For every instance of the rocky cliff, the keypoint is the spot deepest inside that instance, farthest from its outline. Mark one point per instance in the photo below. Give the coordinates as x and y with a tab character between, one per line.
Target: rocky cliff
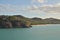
13	22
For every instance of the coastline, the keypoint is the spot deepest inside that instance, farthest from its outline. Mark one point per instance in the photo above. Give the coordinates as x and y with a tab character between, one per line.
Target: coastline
42	24
39	24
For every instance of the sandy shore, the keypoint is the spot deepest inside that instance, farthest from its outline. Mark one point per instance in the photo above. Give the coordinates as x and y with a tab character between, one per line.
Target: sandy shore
39	24
43	24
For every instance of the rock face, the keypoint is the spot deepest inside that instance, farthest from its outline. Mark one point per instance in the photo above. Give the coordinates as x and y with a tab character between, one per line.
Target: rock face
13	24
6	22
19	24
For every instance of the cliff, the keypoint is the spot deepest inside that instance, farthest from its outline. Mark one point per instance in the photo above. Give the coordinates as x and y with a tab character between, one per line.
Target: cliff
13	22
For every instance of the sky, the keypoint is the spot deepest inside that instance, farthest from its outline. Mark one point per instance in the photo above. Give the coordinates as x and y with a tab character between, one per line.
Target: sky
31	8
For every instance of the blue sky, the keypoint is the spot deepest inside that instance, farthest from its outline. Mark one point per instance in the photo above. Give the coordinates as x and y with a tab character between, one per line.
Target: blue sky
31	8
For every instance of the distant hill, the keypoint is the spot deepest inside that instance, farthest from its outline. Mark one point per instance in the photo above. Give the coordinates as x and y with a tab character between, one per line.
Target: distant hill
36	19
45	21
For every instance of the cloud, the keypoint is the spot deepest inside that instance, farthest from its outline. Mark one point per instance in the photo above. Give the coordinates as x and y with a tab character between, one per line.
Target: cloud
46	8
7	8
39	1
51	8
4	8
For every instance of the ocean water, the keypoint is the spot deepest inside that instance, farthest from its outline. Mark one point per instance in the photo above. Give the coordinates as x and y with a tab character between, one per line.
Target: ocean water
37	32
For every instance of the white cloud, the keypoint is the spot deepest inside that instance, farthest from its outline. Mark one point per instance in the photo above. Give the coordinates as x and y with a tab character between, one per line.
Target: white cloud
46	8
51	8
4	8
39	1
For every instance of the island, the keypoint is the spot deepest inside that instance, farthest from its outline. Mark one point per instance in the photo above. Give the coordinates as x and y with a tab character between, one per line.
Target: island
19	21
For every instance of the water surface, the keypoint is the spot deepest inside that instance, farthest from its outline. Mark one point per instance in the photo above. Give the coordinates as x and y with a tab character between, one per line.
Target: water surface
37	32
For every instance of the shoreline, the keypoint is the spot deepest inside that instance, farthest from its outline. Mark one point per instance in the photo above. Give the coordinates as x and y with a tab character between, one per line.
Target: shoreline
40	24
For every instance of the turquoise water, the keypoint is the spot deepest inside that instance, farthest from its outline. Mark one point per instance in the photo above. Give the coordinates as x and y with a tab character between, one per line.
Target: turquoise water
38	32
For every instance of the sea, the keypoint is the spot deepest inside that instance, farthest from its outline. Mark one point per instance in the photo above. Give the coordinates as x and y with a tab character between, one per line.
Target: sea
36	32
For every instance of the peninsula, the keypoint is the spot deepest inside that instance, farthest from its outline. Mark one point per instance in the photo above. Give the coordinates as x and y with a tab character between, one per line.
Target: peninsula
19	21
